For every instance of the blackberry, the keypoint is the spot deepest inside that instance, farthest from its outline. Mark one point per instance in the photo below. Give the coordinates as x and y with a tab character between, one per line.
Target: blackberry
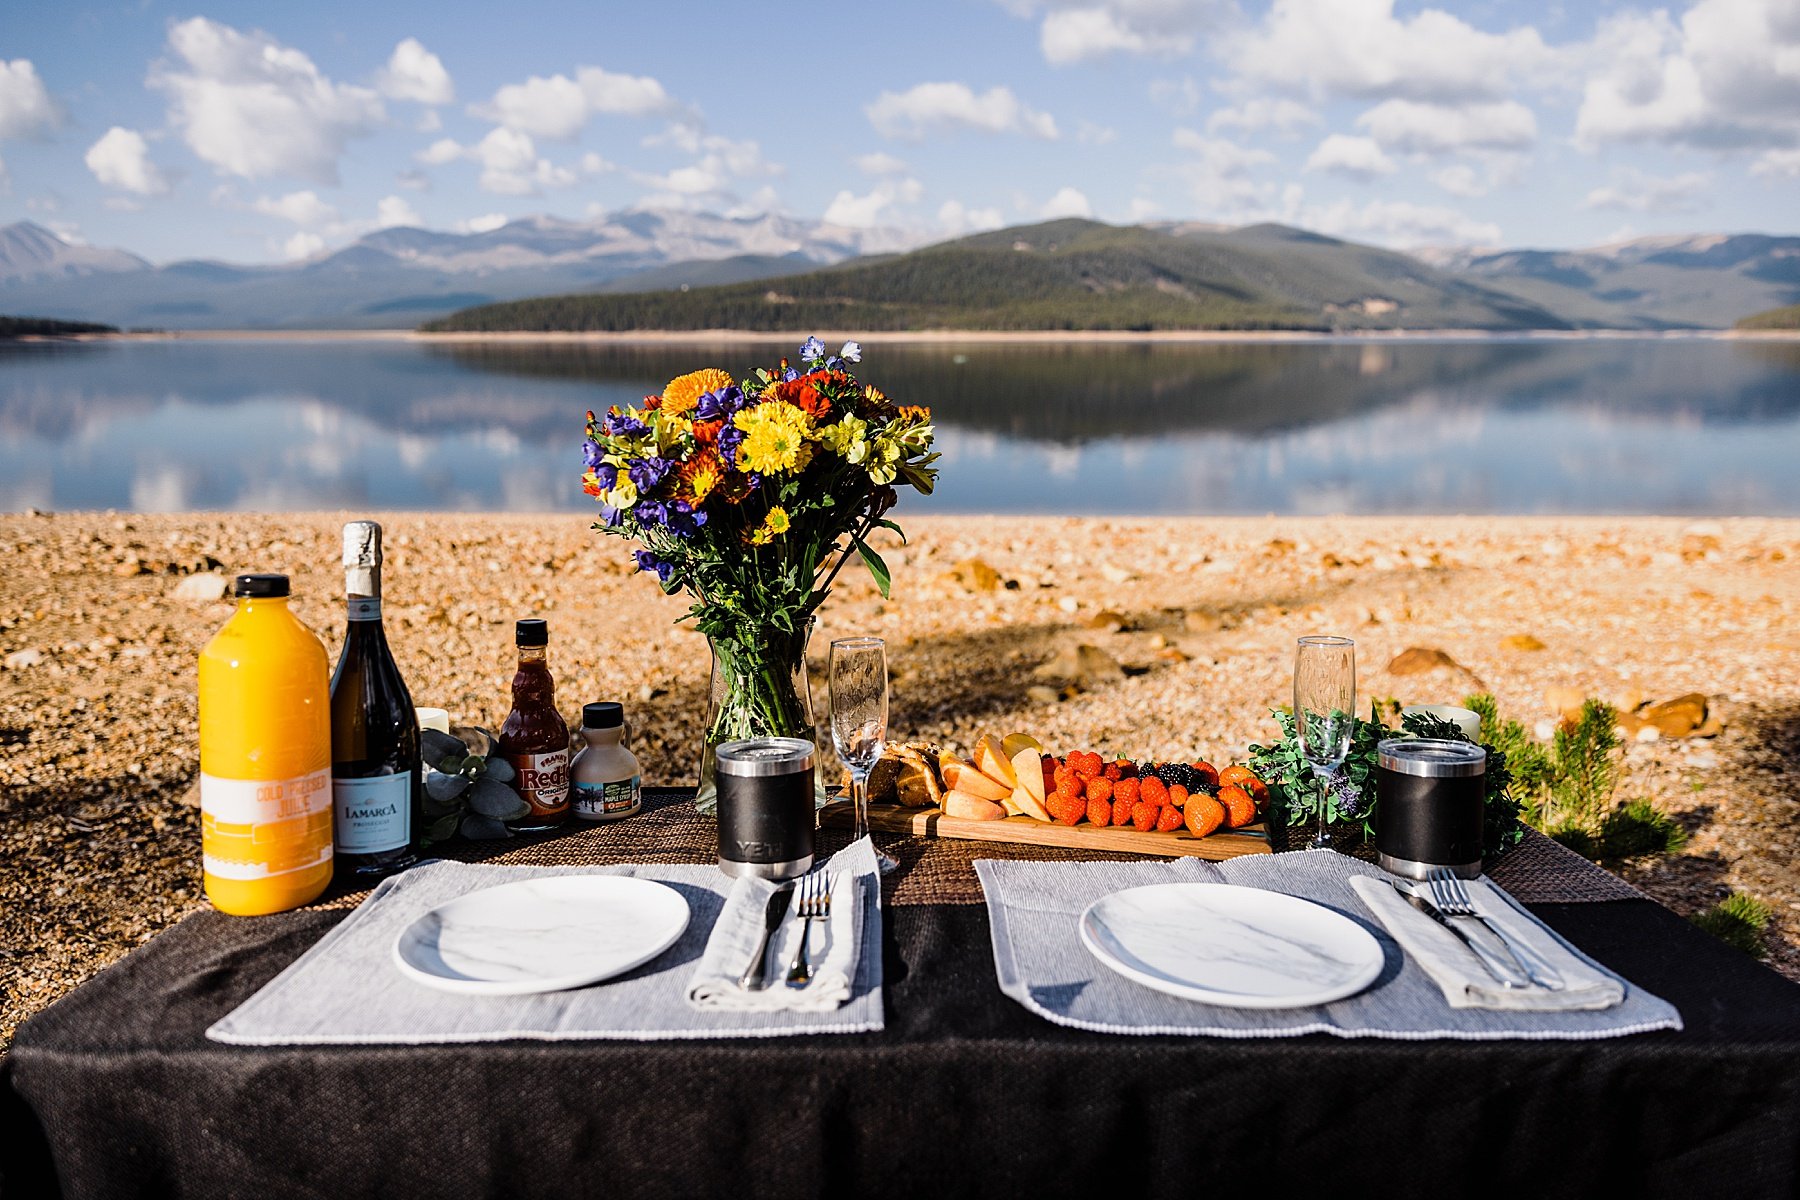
1146	769
1172	774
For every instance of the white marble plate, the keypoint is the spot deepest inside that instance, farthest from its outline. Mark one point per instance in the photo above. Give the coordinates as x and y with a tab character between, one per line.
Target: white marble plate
542	935
1239	947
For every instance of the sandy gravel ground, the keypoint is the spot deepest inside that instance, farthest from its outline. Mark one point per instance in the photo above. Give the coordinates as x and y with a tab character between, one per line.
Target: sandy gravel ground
99	842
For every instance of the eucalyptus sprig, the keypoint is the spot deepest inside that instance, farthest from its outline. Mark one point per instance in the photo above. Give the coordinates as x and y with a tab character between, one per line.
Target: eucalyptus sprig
467	792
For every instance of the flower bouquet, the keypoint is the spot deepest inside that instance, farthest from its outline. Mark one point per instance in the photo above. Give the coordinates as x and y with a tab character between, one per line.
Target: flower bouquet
751	495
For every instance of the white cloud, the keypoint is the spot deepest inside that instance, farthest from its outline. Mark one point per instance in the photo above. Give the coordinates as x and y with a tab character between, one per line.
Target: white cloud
931	107
444	150
1411	127
1353	157
121	159
1217	177
1143	209
1632	190
1068	202
1776	164
1075	31
417	181
415	73
5	179
955	217
709	179
1726	77
1401	224
880	163
865	211
486	223
255	108
1221	156
1360	48
558	107
1263	112
1091	133
395	210
304	209
510	163
26	109
303	245
1460	179
1180	96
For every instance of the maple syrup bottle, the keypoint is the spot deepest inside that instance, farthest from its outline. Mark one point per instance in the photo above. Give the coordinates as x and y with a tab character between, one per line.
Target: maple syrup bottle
535	739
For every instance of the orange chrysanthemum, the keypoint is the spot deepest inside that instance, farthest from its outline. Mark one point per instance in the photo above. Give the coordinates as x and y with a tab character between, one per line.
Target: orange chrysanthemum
706	433
916	412
804	395
684	391
697	477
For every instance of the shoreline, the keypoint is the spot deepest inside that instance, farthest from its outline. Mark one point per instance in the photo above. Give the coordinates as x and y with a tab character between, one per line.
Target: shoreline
931	336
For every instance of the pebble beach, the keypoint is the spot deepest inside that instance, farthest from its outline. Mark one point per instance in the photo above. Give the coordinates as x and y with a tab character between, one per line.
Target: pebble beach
1167	639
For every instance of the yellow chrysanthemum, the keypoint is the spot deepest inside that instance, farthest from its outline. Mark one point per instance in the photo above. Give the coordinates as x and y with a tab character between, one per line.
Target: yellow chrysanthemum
684	391
774	439
772	527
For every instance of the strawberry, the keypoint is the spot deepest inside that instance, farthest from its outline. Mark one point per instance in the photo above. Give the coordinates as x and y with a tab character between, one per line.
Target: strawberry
1177	795
1099	812
1240	809
1143	816
1111	771
1168	819
1152	790
1127	768
1208	775
1204	814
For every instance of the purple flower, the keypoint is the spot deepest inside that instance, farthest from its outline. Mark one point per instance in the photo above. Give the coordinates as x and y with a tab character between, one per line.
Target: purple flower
606	475
812	350
852	352
590	454
683	520
650	512
648	472
623	425
612	517
730	438
647	561
719	405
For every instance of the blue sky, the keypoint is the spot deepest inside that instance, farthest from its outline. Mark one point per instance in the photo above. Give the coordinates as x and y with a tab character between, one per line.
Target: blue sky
260	131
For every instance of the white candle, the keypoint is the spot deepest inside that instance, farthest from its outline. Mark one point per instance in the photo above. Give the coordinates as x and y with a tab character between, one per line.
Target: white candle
433	718
1462	718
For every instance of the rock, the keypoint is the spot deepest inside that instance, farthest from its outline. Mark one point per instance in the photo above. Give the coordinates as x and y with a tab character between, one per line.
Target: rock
1628	699
1678	717
1279	547
1705	760
1069	604
204	587
1524	643
1114	573
132	566
1040	693
1107	619
19	660
1417	660
1648	733
1545	730
1565	701
1197	620
974	575
1081	664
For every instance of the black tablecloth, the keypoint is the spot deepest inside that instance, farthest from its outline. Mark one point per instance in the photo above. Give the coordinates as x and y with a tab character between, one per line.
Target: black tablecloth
115	1091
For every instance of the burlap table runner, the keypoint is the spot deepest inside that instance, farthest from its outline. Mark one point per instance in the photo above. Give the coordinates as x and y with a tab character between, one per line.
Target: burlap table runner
935	870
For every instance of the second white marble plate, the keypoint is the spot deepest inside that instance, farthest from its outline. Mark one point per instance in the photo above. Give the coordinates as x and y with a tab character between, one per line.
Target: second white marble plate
542	935
1235	946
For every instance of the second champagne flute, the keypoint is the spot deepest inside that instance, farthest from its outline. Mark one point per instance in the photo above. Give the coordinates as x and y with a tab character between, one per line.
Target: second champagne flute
859	713
1324	714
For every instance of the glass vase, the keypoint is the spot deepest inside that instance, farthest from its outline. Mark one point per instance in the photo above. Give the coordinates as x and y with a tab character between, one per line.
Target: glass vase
759	689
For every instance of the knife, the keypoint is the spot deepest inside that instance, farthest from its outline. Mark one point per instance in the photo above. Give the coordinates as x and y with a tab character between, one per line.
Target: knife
756	975
1527	959
1498	967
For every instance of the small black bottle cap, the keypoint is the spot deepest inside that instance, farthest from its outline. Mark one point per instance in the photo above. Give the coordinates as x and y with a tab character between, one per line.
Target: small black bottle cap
602	714
260	586
532	631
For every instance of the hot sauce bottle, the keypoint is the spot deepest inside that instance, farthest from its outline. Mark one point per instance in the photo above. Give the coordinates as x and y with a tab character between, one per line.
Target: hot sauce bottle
535	739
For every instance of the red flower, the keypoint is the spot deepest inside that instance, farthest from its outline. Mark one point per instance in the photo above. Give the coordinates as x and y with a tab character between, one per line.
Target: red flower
707	432
804	395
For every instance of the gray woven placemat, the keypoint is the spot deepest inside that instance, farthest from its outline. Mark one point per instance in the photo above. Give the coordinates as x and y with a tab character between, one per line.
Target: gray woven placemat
346	988
1034	908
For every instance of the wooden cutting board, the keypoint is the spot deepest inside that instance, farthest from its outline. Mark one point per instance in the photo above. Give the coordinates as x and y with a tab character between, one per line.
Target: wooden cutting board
1115	839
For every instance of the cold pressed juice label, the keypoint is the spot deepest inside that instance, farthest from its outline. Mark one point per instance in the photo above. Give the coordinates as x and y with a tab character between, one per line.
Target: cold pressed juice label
372	813
605	799
543	781
259	828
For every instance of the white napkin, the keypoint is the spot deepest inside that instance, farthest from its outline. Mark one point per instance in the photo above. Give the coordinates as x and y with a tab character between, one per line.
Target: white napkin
832	950
1461	976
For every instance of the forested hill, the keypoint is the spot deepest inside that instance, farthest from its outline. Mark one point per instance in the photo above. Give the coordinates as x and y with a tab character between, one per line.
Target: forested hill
1062	275
15	327
1775	318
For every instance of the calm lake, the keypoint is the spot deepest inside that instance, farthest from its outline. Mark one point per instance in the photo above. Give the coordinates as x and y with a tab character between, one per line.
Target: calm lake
1612	425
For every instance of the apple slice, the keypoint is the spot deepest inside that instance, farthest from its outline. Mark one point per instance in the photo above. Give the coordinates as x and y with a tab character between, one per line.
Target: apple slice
972	808
1012	743
990	757
1028	769
962	776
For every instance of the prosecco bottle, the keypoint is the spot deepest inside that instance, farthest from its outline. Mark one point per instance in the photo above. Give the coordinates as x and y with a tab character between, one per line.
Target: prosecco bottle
377	790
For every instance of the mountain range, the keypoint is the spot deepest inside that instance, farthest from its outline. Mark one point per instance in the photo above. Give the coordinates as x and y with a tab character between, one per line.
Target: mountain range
660	268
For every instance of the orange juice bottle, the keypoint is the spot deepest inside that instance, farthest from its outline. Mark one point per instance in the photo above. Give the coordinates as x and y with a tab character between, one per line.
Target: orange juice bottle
265	756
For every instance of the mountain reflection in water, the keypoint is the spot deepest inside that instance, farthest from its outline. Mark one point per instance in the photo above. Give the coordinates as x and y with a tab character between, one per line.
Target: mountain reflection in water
1668	425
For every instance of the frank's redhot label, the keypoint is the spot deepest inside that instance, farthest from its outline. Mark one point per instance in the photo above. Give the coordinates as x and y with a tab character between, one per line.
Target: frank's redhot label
543	781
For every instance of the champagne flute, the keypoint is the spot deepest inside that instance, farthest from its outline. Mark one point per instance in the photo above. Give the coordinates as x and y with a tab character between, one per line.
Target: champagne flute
1325	714
859	714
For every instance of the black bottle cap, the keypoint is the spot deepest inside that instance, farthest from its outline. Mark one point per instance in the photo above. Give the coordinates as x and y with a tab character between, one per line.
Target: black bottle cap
260	586
602	714
532	631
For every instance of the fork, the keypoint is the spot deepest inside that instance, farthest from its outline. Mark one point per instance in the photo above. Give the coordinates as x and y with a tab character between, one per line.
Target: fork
1452	896
815	904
